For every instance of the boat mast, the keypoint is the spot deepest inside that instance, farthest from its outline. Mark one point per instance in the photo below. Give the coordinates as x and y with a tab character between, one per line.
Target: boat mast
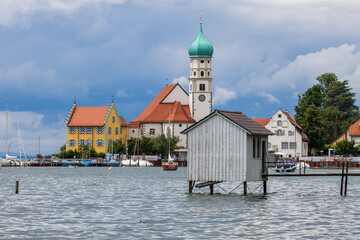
169	133
6	129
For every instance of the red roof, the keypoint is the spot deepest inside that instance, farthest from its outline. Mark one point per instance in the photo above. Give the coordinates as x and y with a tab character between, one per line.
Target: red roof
88	116
354	129
262	121
159	112
134	125
122	121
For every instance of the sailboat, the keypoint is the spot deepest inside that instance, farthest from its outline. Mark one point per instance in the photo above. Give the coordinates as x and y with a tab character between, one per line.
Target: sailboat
170	165
5	162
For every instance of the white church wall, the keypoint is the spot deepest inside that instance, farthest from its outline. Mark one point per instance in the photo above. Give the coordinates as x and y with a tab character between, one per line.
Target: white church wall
177	94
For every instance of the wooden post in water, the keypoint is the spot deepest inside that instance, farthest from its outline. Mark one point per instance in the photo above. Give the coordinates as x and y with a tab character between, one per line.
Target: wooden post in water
264	187
190	186
245	188
17	187
211	189
346	177
342	179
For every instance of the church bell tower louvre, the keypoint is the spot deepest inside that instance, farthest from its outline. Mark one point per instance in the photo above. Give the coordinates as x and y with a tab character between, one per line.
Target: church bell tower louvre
200	80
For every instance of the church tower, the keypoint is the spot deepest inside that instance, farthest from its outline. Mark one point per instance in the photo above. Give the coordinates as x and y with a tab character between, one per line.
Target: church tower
200	81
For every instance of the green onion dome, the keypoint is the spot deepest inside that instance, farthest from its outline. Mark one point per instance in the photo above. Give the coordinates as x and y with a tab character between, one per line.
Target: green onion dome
201	47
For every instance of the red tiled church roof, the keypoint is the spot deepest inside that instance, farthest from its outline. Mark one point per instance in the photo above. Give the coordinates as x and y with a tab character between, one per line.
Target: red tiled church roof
158	112
88	116
354	129
262	121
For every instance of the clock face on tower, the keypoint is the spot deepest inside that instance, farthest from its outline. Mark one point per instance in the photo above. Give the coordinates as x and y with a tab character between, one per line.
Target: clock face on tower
202	98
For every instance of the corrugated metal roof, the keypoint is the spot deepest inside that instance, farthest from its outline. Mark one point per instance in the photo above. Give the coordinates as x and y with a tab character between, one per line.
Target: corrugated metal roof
239	119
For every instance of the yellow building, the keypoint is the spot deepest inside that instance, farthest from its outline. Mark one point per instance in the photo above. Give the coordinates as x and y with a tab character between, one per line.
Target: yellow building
123	130
94	126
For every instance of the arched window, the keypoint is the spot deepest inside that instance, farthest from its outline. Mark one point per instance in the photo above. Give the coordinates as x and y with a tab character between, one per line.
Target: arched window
202	86
280	132
202	73
208	73
194	73
109	130
202	61
279	123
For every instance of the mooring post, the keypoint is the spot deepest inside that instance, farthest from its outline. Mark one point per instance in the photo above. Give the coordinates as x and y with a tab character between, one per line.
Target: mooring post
304	166
346	177
342	179
17	187
211	189
190	186
245	188
264	187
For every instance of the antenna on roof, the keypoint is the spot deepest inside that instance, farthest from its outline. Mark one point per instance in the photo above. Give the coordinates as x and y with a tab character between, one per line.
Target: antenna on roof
167	81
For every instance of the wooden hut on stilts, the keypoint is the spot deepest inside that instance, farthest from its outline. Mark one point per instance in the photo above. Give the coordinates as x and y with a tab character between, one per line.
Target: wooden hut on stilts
226	147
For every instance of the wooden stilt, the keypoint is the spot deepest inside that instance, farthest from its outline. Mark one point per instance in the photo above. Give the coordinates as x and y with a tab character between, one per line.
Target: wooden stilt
342	179
264	187
190	186
17	187
346	177
211	189
245	188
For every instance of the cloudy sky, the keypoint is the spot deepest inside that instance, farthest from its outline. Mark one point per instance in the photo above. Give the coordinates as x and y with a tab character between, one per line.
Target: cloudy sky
265	53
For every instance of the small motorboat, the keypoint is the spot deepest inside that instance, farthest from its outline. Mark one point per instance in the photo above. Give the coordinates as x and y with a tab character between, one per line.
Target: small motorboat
302	165
285	165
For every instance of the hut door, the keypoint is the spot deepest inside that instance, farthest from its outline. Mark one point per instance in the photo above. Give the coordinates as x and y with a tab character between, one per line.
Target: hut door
263	156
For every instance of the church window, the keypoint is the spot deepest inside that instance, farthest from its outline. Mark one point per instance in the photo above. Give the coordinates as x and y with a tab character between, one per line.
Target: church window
202	61
72	130
202	87
99	142
191	87
208	73
99	130
194	73
109	130
208	61
279	123
202	73
280	132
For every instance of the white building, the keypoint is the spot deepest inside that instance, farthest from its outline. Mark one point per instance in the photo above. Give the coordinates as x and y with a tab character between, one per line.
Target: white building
288	137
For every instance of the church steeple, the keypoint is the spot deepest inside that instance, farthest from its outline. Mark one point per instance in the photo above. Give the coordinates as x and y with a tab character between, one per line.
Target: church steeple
200	81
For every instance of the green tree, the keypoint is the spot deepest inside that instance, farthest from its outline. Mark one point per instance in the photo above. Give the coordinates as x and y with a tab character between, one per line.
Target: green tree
346	148
326	109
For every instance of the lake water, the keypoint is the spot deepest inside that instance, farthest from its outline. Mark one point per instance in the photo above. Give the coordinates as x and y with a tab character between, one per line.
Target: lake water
143	203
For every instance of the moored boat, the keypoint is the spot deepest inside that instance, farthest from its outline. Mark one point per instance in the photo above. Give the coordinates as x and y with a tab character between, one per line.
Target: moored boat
285	165
170	166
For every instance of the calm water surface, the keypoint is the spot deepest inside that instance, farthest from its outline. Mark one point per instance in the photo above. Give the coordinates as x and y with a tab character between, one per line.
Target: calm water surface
143	203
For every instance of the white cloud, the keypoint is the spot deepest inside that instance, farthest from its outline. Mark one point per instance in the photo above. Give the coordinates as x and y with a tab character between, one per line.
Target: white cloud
122	94
19	12
32	126
183	81
223	95
270	98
